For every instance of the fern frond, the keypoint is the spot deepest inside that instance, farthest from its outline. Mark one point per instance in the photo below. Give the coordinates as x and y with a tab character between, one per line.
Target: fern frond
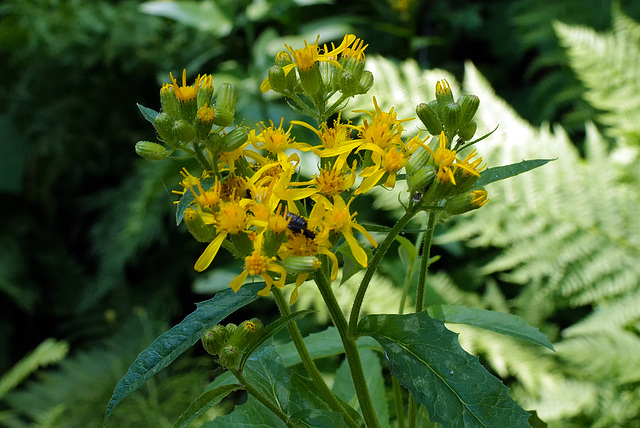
609	65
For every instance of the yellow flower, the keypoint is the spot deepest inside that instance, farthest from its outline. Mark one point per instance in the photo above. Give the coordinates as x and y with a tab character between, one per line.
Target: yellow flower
304	58
257	264
275	140
384	130
334	141
186	92
340	220
299	244
445	158
388	162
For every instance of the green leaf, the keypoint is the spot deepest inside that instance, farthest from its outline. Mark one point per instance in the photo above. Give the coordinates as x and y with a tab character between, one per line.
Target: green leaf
407	251
251	414
266	372
179	338
323	344
268	332
186	199
343	386
204	16
351	266
148	113
314	418
452	385
204	403
501	172
507	324
309	409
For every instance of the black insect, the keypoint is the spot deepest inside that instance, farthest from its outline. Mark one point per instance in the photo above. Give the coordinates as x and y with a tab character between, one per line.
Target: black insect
299	225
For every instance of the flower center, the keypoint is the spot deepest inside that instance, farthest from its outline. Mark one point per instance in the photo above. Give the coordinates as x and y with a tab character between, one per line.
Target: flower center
256	264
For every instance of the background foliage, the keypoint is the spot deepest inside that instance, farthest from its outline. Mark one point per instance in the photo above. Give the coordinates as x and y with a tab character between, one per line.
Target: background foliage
91	256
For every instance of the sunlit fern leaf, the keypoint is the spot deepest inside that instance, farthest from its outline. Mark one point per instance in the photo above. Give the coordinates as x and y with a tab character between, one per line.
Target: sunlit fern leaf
609	65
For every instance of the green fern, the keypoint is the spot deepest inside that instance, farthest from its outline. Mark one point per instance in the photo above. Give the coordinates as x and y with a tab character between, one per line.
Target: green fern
609	65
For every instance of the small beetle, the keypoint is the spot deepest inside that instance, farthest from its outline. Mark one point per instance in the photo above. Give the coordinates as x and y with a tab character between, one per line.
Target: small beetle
299	225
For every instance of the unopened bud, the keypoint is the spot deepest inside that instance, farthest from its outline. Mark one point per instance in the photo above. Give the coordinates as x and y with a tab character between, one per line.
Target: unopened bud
429	117
468	107
419	180
418	160
468	131
205	91
245	332
444	95
169	101
229	356
214	339
451	119
296	265
184	131
151	151
277	79
366	81
225	104
197	227
465	202
234	139
311	80
164	125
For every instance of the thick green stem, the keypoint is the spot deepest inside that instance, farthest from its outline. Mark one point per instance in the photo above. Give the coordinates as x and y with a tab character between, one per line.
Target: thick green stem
373	265
322	388
266	401
424	263
350	350
397	398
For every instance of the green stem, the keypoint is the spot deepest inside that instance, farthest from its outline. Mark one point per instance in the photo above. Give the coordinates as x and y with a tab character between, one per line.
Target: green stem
424	263
322	388
375	261
350	351
397	398
268	403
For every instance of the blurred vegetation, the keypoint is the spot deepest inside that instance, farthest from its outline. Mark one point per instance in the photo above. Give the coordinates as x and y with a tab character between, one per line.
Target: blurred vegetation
90	254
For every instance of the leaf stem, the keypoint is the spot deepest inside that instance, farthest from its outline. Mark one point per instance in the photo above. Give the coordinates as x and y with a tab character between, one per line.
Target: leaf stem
350	350
322	388
373	265
262	398
424	263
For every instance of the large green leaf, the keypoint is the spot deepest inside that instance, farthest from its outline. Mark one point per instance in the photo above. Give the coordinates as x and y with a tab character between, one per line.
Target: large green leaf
308	409
203	403
178	339
265	372
452	385
507	324
251	414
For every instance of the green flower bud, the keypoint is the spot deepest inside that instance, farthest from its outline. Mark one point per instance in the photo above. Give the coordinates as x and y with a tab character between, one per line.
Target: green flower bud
164	125
468	131
151	151
296	265
214	142
349	85
197	227
225	104
429	117
451	119
204	121
214	339
444	95
234	139
169	101
311	80
184	131
229	356
366	82
468	107
277	79
231	328
418	160
465	202
246	331
419	180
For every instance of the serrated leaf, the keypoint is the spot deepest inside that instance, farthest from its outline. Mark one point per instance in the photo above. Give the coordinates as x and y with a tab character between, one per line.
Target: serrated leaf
148	113
251	414
203	403
343	386
507	324
311	410
501	172
269	331
179	338
188	197
266	372
452	385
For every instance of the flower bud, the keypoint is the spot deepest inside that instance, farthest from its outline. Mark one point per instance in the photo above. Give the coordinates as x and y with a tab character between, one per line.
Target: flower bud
349	84
229	356
225	104
467	131
468	107
366	82
151	151
311	80
231	328
214	339
234	139
245	332
164	125
214	142
296	265
277	79
197	227
429	118
205	91
465	202
169	101
204	121
451	119
418	160
184	131
444	95
419	180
